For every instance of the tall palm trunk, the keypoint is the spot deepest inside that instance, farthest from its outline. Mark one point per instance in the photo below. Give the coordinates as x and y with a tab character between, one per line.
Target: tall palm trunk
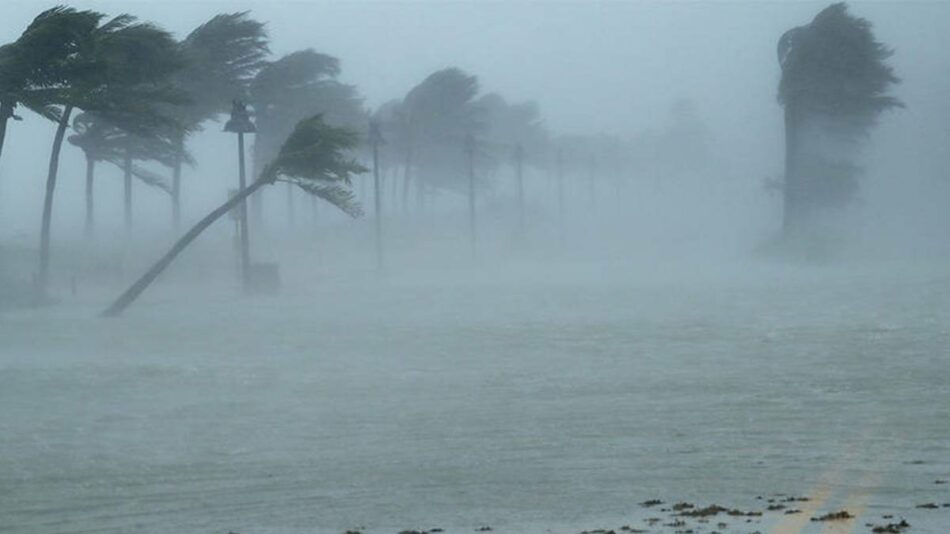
127	186
176	181
42	279
406	179
257	201
90	215
6	113
394	194
291	216
377	203
420	197
140	285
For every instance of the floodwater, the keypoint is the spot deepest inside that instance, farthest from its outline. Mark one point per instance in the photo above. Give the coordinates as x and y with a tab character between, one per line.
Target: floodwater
532	400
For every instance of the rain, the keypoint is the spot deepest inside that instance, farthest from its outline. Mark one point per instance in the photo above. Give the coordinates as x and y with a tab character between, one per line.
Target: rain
408	266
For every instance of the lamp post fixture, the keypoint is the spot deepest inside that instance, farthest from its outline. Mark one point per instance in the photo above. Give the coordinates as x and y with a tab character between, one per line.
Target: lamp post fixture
240	123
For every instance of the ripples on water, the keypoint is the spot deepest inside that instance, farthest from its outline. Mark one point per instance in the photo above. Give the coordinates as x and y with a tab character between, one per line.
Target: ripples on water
522	404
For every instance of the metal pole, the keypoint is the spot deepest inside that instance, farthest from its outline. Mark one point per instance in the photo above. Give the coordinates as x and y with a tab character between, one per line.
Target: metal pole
245	238
127	189
377	201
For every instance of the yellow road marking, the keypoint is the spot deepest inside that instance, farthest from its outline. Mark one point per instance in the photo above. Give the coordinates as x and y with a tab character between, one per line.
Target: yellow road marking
855	504
794	523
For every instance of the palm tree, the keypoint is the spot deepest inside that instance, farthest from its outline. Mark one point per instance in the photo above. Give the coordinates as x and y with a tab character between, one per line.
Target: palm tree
29	75
296	86
102	141
437	115
314	158
835	79
220	58
514	132
118	69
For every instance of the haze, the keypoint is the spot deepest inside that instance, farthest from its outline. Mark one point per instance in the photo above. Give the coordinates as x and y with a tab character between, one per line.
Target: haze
642	322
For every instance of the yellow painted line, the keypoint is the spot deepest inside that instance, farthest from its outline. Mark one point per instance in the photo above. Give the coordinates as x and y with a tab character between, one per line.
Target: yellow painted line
856	503
794	523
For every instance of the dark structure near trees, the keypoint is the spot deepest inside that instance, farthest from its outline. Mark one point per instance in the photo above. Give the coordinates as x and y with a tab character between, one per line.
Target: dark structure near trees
835	83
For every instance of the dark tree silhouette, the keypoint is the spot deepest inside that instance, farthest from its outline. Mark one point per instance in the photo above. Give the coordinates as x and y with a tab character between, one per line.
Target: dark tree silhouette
514	133
102	141
30	67
296	86
835	84
117	69
220	58
313	158
437	115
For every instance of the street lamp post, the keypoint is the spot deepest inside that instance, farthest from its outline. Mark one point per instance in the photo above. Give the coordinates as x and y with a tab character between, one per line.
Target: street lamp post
240	123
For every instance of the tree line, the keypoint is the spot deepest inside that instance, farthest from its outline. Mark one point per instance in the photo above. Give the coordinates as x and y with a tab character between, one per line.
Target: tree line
130	93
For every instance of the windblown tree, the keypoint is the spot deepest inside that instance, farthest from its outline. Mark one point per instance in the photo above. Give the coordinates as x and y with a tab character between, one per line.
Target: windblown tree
315	157
29	67
388	120
117	69
220	58
515	134
835	84
437	117
102	141
299	85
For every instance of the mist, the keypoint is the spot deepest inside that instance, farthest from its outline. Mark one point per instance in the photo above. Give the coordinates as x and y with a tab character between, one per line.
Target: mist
511	266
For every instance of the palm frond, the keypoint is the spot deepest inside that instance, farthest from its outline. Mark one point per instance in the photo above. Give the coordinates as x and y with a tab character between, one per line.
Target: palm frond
221	56
314	157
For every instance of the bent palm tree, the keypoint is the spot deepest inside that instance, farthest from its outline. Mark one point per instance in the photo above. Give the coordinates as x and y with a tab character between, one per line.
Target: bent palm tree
314	158
29	76
102	141
220	57
296	86
835	83
117	69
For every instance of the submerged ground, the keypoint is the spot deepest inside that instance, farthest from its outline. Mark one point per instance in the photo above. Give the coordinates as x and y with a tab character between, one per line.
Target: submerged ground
531	400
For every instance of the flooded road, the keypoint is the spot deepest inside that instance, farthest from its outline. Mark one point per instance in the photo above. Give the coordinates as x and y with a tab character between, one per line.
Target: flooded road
531	401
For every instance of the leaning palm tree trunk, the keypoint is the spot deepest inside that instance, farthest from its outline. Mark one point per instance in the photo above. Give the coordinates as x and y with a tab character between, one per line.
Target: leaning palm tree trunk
90	177
6	112
42	279
127	169
142	283
406	180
